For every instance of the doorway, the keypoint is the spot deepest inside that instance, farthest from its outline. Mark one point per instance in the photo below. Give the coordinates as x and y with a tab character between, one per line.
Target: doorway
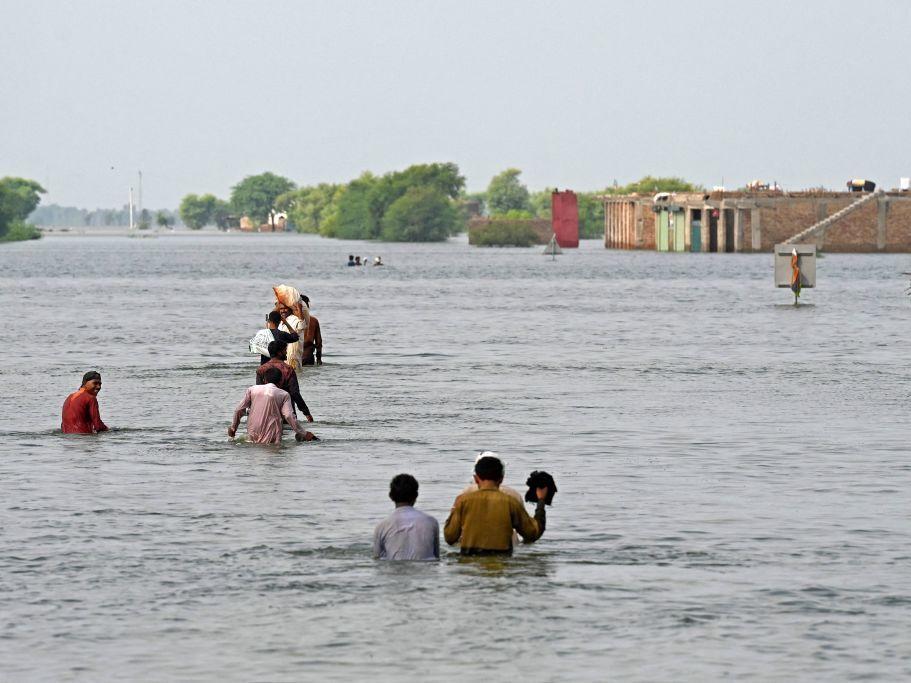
696	230
713	230
729	230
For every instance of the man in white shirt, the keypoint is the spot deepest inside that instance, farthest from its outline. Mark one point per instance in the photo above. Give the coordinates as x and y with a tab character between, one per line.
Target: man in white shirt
406	534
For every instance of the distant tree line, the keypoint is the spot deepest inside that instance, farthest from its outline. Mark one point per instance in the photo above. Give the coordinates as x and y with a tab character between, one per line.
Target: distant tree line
56	216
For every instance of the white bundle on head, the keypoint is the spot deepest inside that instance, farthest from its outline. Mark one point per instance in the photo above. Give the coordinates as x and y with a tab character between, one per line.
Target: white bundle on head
491	454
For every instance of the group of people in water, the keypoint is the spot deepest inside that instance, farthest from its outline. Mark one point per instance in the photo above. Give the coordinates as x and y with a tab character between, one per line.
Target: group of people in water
487	518
363	260
291	340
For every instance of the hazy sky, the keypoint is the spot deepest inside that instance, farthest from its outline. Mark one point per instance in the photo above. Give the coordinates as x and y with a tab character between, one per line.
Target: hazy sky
198	95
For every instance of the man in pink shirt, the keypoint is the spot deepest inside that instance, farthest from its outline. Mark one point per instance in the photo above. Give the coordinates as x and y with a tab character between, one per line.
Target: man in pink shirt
267	405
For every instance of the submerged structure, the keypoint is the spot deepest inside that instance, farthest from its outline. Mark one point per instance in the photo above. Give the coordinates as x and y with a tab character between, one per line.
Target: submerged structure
757	220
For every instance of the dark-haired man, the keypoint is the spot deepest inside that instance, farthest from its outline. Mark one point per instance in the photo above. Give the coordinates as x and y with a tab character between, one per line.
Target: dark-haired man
482	521
406	534
80	409
289	383
267	405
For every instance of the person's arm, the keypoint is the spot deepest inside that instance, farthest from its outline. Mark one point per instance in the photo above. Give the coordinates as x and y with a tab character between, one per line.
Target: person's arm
436	539
318	343
288	413
239	413
452	530
529	529
287	337
95	415
295	392
379	551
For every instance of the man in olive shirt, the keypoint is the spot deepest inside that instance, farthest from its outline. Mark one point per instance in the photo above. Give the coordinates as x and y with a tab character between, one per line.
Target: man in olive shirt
482	521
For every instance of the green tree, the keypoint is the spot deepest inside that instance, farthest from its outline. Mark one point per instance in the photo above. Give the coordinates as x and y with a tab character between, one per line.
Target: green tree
255	195
221	212
422	214
163	220
19	197
506	192
309	208
353	220
196	211
652	184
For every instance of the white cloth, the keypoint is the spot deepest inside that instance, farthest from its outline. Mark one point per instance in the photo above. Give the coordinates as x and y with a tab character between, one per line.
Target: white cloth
296	349
260	342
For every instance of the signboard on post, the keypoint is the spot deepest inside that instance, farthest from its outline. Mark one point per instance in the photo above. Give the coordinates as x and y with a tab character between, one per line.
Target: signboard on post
806	261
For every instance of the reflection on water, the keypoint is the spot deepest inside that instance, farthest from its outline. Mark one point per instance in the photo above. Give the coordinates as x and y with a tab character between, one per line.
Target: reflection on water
733	470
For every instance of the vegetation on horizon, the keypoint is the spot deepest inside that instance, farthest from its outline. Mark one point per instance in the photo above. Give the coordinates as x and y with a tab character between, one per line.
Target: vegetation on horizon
18	199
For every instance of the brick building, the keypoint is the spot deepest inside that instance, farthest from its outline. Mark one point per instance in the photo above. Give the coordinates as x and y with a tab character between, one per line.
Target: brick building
756	221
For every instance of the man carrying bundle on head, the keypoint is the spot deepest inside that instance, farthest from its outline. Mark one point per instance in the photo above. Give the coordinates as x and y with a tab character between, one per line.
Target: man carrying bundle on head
80	409
296	318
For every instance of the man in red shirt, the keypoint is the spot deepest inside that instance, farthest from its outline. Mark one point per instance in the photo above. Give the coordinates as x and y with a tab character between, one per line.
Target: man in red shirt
80	410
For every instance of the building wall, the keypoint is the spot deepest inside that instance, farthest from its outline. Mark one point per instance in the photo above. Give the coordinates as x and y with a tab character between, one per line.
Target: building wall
761	221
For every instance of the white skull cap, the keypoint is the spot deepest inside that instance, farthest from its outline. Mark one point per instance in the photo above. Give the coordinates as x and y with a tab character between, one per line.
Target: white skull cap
490	454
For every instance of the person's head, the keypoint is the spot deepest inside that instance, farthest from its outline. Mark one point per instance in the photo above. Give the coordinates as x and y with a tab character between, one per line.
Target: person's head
91	382
306	300
273	319
357	259
489	468
272	376
350	257
403	489
278	349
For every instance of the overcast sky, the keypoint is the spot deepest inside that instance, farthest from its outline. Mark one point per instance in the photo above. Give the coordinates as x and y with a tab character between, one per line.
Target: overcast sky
198	95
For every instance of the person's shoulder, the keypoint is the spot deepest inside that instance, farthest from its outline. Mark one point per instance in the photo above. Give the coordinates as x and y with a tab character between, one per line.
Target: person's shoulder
512	493
423	515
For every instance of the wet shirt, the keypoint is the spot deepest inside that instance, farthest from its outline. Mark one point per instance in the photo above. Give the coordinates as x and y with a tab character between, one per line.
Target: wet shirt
267	406
407	534
81	414
482	522
288	383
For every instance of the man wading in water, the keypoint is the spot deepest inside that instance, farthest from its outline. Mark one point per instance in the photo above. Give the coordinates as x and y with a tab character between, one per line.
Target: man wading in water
80	410
268	405
484	519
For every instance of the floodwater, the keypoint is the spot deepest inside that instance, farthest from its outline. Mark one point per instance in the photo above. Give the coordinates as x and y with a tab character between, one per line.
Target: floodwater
734	472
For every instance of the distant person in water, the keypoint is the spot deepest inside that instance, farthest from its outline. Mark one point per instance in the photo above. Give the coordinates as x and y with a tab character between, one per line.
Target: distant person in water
357	260
313	342
80	409
483	521
378	261
288	380
267	406
351	260
273	320
406	534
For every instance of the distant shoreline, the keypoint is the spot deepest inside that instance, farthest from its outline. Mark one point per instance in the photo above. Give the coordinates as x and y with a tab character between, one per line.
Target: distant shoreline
126	232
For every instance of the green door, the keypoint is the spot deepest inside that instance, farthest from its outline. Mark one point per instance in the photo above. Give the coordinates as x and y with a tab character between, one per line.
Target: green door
696	235
662	231
679	226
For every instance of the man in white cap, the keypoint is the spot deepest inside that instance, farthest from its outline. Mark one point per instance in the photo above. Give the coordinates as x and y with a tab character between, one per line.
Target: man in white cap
509	491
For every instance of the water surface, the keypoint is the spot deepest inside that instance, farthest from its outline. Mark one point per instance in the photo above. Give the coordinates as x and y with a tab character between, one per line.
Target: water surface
733	471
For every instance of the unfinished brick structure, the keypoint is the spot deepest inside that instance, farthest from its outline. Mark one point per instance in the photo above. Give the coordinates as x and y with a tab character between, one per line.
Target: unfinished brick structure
756	221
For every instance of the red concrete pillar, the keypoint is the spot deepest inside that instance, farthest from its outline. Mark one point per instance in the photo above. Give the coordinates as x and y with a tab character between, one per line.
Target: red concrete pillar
565	221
